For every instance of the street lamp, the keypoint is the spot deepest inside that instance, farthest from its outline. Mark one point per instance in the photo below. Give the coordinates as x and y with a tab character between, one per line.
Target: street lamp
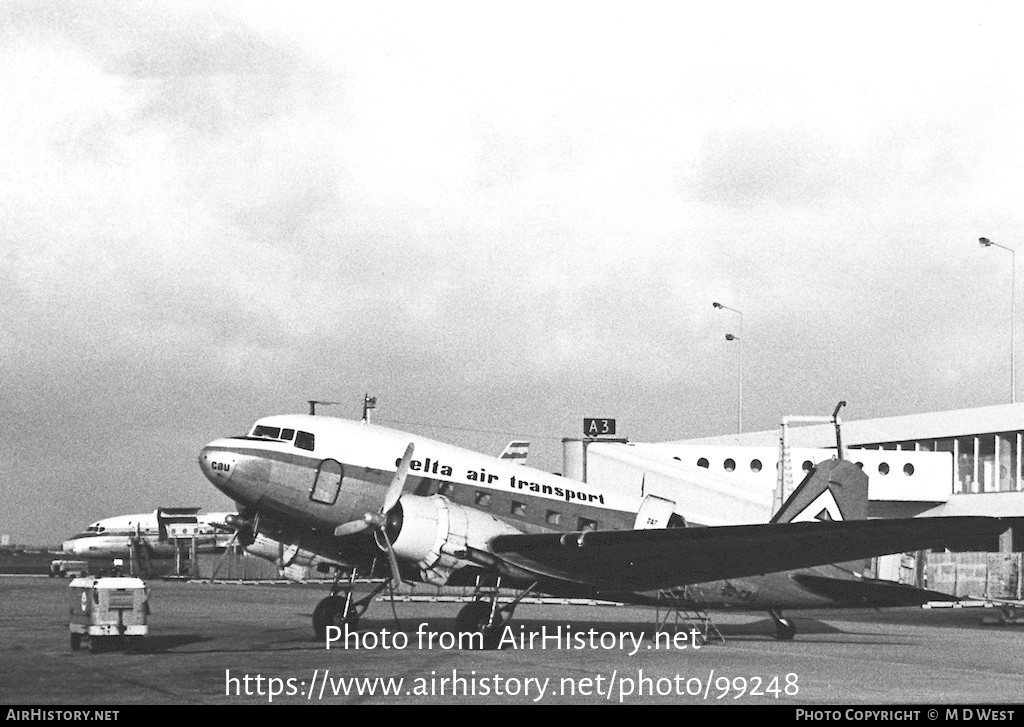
739	375
985	242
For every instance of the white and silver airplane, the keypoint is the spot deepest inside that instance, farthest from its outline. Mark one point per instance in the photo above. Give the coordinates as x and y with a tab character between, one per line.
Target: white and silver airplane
355	492
113	537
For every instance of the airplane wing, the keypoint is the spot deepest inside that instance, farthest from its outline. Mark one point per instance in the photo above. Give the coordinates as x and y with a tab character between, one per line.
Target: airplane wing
649	559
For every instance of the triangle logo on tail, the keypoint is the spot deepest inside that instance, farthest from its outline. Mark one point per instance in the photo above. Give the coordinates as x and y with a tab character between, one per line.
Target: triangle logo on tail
822	508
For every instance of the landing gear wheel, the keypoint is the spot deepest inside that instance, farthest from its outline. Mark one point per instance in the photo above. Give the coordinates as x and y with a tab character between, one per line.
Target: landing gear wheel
352	620
97	644
785	629
492	635
133	644
327	613
473	617
76	642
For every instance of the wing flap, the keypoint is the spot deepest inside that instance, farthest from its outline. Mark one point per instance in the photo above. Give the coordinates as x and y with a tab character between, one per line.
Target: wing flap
648	559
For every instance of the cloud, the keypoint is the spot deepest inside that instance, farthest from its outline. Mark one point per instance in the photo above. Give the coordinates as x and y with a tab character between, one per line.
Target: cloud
210	213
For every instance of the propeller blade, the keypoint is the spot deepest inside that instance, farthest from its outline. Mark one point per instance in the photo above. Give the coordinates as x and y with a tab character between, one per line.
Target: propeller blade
396	574
398	483
224	555
351	528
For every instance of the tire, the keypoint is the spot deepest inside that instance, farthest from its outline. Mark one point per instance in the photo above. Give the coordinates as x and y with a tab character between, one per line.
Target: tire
473	617
133	644
785	629
492	636
76	641
97	644
329	613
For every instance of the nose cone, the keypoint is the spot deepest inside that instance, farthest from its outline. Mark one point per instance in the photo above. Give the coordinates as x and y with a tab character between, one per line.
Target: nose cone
70	546
218	464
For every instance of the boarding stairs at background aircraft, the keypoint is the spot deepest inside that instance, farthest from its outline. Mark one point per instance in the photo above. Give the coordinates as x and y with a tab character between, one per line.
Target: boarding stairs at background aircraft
680	605
138	555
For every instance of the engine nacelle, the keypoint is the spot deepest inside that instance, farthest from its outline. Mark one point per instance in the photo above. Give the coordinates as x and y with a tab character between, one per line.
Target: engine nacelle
434	533
244	529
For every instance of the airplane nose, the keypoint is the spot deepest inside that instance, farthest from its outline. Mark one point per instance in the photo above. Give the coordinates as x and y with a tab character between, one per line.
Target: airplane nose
68	546
217	464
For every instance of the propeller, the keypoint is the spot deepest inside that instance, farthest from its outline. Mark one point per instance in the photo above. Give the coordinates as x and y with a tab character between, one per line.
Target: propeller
242	527
379	520
223	556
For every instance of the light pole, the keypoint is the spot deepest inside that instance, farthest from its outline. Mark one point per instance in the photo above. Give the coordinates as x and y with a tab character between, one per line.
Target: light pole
739	375
985	242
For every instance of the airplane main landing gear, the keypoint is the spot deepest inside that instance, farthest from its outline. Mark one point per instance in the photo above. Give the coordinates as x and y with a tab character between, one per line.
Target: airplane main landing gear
486	617
336	610
785	629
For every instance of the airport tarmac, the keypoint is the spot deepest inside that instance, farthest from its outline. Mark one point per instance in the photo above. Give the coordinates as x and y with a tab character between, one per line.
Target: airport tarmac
204	636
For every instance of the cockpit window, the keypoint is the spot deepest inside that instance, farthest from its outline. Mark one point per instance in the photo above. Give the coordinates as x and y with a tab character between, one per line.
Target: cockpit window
264	431
287	434
304	440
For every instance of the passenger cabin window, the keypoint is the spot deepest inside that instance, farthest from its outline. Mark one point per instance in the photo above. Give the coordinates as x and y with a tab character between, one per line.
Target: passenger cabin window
586	525
304	440
518	509
553	517
483	499
327	483
446	489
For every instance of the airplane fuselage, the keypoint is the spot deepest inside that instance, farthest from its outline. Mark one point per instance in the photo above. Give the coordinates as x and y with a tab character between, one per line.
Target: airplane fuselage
306	475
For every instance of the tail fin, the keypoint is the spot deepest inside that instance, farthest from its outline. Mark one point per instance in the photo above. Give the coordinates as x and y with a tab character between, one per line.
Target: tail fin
833	490
516	451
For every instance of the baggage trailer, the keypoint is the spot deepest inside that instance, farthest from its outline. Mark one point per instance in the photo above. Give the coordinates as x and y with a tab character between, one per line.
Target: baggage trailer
109	611
64	568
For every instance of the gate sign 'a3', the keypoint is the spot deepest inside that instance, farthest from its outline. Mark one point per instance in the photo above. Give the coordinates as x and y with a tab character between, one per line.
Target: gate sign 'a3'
598	427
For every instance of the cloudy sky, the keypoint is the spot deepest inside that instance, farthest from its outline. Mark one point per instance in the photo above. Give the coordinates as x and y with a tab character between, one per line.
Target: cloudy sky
496	217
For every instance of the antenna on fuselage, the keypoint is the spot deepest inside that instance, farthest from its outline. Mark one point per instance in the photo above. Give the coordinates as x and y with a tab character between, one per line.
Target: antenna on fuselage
314	402
369	402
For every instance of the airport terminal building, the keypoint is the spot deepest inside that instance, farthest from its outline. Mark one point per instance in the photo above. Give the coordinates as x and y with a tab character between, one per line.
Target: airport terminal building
961	462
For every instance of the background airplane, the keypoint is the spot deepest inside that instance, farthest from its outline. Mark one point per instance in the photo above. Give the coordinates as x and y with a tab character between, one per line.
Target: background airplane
150	536
152	533
356	492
